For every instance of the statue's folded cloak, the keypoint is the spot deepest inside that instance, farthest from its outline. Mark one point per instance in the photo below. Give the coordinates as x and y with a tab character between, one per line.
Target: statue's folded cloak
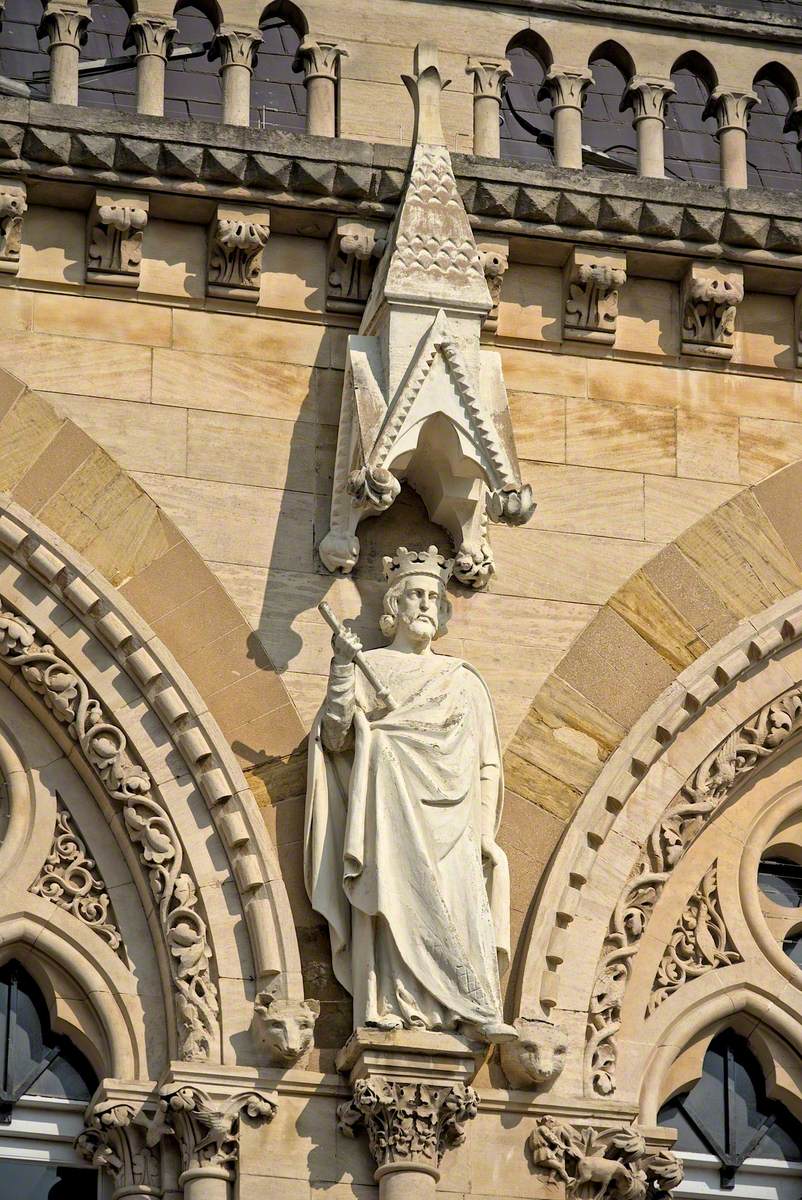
393	831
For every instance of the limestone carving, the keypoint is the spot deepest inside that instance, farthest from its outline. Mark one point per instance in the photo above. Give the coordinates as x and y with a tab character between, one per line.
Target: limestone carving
614	1163
355	248
317	57
64	24
537	1057
285	1028
114	1141
114	240
422	402
412	1123
70	879
686	816
13	205
700	942
408	872
207	1129
709	300
591	296
236	242
151	35
103	744
495	259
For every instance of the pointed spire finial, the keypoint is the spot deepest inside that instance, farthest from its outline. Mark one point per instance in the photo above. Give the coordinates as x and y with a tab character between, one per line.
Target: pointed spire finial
425	88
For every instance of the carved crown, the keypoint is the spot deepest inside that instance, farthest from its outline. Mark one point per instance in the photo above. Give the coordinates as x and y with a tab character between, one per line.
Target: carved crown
417	562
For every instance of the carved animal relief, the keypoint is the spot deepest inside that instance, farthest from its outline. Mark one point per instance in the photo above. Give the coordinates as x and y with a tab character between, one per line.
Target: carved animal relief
207	1129
612	1163
285	1028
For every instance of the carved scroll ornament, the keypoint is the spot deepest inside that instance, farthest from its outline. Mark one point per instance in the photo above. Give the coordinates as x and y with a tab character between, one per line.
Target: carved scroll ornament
112	1141
591	302
103	745
207	1129
610	1163
235	255
686	816
709	299
114	244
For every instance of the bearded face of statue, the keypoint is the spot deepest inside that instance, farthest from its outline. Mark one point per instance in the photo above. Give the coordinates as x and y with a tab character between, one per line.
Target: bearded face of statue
419	607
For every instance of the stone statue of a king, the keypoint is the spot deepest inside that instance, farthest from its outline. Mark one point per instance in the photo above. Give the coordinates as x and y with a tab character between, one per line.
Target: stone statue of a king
403	804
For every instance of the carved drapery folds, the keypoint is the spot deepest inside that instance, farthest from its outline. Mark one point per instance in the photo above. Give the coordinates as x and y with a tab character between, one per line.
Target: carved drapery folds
149	826
686	816
611	1162
355	248
13	205
700	942
71	879
591	284
114	1140
422	401
709	298
410	1123
237	238
115	228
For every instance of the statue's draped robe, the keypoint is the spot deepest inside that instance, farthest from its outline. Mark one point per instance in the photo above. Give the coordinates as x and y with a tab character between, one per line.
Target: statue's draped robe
393	829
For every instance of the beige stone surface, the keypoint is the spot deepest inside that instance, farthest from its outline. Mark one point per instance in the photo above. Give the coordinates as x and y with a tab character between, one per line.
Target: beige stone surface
671	505
765	446
173	260
708	445
105	320
140	437
633	437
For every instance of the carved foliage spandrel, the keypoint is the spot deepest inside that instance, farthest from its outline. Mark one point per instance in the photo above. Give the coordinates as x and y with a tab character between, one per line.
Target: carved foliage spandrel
149	826
691	809
610	1162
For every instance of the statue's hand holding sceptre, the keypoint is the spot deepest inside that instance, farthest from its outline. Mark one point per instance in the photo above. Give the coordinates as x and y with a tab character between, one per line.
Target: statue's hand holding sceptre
345	646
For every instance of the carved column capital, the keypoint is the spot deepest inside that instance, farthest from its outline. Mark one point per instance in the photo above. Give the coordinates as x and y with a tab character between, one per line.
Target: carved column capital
13	206
115	228
709	298
592	1164
591	282
495	259
646	95
355	248
489	76
731	108
64	24
566	87
236	47
151	36
113	1140
206	1127
409	1124
318	58
237	237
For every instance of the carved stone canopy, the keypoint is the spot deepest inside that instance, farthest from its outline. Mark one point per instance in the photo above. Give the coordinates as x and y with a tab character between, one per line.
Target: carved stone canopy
422	401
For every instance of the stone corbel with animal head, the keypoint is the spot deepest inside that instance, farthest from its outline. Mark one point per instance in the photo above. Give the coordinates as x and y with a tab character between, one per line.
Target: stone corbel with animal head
13	206
537	1057
611	1164
285	1029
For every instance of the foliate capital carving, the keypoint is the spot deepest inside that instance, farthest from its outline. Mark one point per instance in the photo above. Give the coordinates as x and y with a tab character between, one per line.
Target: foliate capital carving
408	1123
64	24
732	109
13	206
151	36
318	58
646	95
566	87
207	1129
115	228
236	47
591	286
489	76
709	299
236	240
354	250
609	1162
112	1141
495	259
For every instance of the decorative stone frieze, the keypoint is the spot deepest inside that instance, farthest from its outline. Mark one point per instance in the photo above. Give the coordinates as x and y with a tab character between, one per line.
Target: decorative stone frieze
591	282
700	942
13	206
114	233
596	1164
103	745
494	255
709	297
489	78
114	1141
355	248
237	238
284	1028
421	400
71	879
537	1057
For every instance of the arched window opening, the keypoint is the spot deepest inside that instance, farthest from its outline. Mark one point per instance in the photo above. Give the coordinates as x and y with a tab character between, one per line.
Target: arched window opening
780	880
526	125
726	1122
691	147
278	95
23	61
101	83
45	1084
192	81
607	132
772	156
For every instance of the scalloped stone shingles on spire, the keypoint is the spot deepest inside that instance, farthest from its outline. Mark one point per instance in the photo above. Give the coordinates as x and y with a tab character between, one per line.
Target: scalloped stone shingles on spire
422	401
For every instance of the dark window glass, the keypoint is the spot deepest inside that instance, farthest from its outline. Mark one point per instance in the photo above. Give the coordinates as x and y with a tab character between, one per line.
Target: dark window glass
191	85
41	1181
33	1060
792	945
523	116
780	881
604	126
690	138
772	155
105	36
728	1114
278	95
20	52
